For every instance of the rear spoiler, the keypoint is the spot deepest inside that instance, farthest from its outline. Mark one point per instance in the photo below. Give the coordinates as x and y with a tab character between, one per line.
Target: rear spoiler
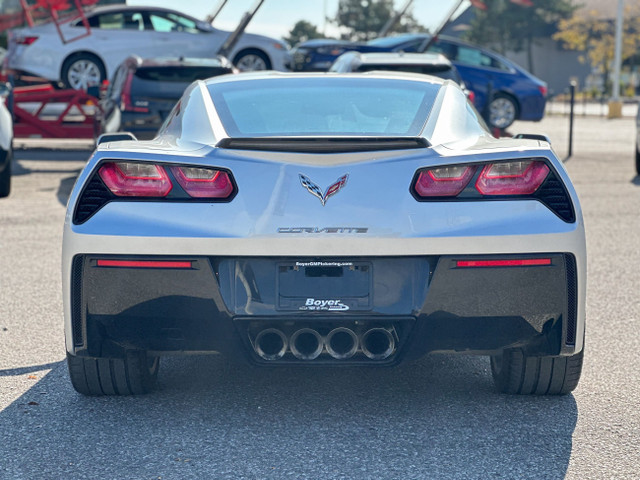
323	144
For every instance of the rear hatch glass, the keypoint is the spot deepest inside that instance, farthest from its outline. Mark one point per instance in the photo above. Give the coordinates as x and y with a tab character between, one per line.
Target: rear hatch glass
305	106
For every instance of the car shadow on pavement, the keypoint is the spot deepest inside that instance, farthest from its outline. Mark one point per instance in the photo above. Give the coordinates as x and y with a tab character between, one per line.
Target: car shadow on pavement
636	180
437	418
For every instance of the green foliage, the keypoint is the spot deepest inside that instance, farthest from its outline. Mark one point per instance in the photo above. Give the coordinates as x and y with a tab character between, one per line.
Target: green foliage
588	32
507	26
301	32
363	19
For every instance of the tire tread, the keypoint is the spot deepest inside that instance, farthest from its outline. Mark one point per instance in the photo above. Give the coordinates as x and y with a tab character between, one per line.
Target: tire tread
112	376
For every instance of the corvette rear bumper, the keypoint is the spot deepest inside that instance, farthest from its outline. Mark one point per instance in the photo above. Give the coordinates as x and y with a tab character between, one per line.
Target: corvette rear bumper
226	304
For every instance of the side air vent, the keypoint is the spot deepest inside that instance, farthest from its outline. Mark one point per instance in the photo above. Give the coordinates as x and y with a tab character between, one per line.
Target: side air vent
572	299
553	194
76	300
93	198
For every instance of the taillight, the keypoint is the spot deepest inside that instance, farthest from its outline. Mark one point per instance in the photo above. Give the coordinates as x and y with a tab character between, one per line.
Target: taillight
26	40
444	181
512	178
471	96
543	90
135	179
125	97
203	182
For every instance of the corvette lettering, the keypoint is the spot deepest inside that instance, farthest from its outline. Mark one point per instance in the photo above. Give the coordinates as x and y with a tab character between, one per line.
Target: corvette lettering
315	190
331	305
323	230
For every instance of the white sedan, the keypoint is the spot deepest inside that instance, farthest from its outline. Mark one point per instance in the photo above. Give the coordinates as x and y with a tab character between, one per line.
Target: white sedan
6	140
118	32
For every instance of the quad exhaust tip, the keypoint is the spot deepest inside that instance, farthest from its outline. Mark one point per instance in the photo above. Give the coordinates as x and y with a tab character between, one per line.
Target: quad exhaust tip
271	344
377	343
341	343
306	344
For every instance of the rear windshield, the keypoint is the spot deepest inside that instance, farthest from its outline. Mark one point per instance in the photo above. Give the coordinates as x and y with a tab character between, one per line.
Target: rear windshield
181	74
441	71
323	106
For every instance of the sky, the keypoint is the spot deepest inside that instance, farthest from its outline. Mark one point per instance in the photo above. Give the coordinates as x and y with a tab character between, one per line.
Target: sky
276	17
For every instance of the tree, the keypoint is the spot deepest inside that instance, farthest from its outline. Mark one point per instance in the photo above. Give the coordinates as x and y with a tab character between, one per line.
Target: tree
301	32
589	32
363	19
508	26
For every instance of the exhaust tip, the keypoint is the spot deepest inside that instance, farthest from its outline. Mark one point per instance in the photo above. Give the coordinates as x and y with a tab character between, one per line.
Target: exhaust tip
270	344
306	344
377	343
341	343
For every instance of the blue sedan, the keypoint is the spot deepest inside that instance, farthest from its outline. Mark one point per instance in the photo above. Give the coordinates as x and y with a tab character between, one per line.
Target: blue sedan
504	92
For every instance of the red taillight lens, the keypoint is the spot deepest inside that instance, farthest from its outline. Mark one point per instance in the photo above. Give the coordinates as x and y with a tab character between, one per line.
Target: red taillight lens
471	96
203	182
526	262
543	90
512	178
143	264
444	181
26	40
136	179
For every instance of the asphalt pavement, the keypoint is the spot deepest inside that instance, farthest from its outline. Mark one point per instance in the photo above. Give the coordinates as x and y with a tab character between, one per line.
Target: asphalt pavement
436	418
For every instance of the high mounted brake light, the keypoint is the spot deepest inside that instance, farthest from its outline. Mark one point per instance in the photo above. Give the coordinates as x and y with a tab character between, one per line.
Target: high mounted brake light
135	179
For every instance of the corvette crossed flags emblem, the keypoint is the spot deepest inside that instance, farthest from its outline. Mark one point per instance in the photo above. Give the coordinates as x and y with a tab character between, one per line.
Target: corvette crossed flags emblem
317	192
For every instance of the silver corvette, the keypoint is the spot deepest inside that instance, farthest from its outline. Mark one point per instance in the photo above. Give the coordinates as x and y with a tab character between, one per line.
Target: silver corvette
324	220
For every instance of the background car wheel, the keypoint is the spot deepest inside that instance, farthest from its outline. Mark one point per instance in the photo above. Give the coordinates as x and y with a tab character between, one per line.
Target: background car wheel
516	373
5	178
82	71
637	161
133	375
503	111
252	60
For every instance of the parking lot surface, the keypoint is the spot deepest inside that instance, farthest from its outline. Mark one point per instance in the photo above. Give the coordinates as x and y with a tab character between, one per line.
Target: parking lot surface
435	418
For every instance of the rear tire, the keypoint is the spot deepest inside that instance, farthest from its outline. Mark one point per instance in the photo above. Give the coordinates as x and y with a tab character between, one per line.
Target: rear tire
503	111
637	161
516	373
133	375
83	70
252	60
5	178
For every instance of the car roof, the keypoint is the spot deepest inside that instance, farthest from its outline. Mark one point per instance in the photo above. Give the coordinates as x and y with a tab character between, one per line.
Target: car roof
121	7
270	74
401	58
185	62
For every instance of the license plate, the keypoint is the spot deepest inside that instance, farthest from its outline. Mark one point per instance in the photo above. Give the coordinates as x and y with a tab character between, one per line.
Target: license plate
324	286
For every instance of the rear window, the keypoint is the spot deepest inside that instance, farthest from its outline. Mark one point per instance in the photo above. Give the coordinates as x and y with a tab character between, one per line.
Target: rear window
322	106
180	74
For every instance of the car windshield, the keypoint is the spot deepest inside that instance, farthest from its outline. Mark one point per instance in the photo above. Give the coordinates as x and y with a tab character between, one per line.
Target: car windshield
315	106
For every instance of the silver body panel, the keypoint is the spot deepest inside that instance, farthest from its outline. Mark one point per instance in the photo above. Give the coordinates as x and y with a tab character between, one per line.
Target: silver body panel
376	197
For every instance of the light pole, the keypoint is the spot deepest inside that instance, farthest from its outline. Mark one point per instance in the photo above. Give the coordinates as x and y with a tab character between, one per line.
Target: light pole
615	105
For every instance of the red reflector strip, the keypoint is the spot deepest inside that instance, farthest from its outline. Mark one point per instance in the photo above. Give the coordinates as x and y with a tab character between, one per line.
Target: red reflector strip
143	264
529	262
